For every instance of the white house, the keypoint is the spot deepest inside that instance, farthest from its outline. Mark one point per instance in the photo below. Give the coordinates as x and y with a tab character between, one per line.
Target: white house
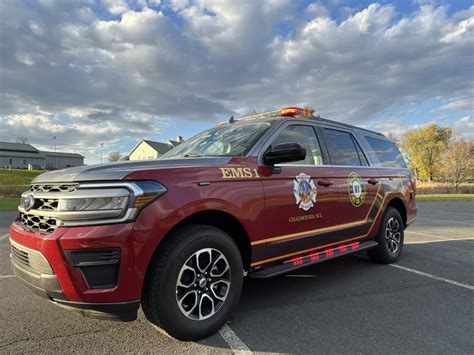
147	150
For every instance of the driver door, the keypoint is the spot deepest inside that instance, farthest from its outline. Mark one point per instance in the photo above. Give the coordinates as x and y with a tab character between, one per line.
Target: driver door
300	199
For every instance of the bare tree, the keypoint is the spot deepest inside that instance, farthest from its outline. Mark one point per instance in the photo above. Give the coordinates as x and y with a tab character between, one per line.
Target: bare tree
457	163
392	136
114	156
22	140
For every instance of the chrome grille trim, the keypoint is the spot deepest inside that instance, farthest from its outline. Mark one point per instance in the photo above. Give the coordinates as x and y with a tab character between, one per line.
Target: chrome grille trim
30	258
41	224
53	188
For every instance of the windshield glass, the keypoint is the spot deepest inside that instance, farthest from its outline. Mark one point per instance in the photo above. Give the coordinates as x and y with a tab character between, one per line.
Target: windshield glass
230	140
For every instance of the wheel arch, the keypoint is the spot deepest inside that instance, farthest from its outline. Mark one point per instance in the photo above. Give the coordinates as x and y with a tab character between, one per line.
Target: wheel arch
224	221
399	205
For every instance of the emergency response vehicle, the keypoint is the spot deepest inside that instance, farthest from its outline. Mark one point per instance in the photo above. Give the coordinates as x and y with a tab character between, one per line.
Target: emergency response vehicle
258	196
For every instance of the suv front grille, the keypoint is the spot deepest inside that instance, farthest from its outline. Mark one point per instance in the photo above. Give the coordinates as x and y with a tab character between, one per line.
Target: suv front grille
54	188
39	223
46	204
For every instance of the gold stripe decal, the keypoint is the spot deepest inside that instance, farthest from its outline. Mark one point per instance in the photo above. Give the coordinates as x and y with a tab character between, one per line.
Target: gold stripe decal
320	230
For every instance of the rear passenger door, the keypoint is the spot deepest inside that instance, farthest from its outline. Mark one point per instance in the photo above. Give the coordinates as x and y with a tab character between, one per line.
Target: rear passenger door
357	182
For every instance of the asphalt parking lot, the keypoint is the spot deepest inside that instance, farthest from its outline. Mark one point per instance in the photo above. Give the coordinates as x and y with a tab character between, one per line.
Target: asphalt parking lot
422	304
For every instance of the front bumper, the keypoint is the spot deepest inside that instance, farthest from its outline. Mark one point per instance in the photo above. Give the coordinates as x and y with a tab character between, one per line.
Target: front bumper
43	262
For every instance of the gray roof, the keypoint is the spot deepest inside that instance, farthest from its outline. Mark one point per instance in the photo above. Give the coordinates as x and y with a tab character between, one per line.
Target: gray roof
161	148
174	143
18	147
61	154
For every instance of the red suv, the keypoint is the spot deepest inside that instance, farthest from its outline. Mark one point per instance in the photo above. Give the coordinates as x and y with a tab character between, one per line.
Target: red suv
256	197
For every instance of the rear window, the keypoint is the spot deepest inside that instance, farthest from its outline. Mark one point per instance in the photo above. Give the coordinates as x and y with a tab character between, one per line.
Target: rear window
387	152
342	148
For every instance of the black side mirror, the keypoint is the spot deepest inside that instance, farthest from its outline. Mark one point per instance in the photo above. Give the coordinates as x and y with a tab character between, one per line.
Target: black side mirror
284	153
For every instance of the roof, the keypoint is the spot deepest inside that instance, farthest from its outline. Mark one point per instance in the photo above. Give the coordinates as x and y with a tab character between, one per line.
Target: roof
161	148
61	154
18	147
173	143
23	154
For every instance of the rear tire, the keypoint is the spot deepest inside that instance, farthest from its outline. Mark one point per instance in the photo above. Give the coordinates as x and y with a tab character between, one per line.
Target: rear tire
193	283
390	238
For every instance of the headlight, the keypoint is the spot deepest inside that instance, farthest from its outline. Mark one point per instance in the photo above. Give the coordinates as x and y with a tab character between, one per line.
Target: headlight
91	204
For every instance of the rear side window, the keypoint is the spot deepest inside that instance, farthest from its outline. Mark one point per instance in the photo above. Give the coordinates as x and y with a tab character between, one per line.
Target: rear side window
342	149
387	152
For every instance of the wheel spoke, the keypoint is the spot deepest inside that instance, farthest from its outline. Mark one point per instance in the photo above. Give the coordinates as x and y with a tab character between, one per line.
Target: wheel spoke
203	259
205	297
215	267
185	271
214	286
185	308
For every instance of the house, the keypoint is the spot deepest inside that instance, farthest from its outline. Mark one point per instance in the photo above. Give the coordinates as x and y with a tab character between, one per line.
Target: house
147	150
21	156
18	155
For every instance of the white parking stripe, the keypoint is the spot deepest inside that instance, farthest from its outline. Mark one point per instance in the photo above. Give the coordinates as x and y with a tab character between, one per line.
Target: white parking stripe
464	214
233	340
439	237
6	276
434	277
446	220
3	236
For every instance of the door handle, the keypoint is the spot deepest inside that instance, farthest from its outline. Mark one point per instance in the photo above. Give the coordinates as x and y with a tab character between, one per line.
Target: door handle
325	183
373	181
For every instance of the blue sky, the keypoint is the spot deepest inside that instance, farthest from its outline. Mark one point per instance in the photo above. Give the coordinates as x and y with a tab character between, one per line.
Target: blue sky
116	71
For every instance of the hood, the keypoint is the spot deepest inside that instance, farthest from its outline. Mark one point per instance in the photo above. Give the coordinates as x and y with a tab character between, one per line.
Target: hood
118	171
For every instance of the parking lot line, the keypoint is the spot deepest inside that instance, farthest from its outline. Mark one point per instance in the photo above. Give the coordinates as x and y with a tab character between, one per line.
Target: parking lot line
233	340
439	278
6	276
446	220
460	213
439	237
3	236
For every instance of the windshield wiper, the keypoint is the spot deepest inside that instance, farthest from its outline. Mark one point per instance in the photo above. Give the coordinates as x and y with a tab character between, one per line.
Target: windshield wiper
192	155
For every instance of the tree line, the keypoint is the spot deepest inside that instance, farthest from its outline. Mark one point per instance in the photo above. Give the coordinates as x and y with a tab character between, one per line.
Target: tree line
435	155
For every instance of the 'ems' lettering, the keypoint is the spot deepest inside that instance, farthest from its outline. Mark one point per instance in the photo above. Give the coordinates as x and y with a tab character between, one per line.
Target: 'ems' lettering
239	173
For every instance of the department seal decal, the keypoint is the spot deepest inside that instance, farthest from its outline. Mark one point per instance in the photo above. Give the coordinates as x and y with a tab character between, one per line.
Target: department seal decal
357	189
305	191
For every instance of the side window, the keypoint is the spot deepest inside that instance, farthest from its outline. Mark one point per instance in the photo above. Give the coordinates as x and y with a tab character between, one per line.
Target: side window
305	136
387	152
342	149
362	157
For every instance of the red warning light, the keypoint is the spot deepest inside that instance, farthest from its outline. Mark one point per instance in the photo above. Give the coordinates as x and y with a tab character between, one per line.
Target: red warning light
342	248
354	246
314	256
329	252
297	261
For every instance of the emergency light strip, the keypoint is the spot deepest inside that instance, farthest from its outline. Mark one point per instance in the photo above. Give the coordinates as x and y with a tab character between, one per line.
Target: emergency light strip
327	253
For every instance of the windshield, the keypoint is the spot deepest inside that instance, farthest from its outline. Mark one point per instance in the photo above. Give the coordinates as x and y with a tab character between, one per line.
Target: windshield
230	140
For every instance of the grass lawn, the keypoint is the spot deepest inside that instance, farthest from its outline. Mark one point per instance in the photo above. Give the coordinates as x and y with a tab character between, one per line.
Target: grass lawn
9	203
16	177
445	197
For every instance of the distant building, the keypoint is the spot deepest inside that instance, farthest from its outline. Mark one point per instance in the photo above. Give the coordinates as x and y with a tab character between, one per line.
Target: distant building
20	156
147	150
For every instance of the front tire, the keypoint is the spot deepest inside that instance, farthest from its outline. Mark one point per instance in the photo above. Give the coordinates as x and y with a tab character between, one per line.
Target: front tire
390	238
194	282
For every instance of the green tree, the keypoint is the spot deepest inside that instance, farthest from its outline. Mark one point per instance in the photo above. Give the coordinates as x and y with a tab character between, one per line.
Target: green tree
424	147
457	164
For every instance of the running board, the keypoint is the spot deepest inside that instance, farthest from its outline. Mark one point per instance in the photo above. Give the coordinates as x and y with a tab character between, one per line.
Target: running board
304	260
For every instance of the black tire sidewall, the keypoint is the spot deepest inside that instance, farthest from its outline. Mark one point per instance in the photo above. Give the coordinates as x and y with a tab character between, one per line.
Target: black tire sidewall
384	252
177	323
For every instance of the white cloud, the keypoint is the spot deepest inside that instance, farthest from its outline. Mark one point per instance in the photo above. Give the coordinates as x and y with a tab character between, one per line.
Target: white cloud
69	68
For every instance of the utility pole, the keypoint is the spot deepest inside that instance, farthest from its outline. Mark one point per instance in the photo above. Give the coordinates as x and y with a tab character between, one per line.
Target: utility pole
101	146
55	156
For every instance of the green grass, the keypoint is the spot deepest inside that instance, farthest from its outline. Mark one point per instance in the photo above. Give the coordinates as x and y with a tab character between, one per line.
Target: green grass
9	203
445	198
17	177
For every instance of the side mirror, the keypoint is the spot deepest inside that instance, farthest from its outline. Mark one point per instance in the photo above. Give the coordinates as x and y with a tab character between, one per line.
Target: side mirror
284	153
